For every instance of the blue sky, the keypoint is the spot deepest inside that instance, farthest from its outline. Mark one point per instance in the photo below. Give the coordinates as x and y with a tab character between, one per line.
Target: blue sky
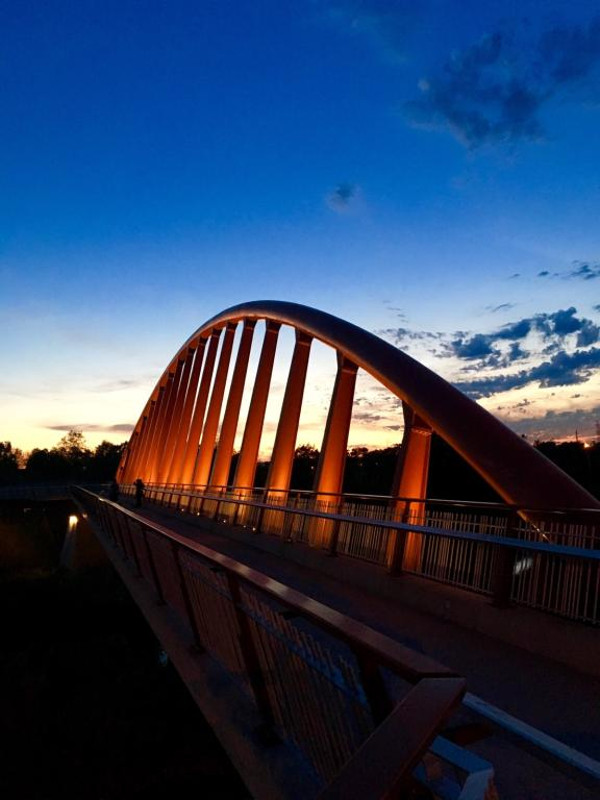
430	171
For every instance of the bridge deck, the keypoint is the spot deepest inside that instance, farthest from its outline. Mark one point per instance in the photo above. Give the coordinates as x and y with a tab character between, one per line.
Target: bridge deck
558	700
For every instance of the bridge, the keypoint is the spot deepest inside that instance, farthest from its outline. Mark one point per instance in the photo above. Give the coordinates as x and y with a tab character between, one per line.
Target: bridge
308	700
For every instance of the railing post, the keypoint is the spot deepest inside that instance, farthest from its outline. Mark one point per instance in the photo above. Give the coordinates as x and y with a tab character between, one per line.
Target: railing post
259	519
138	571
250	656
333	538
397	544
374	686
199	647
157	586
219	501
503	573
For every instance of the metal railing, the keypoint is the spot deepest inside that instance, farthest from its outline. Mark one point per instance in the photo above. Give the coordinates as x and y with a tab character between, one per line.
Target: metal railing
331	687
548	560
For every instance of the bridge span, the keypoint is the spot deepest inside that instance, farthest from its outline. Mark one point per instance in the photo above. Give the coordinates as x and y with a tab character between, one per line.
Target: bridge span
526	570
527	719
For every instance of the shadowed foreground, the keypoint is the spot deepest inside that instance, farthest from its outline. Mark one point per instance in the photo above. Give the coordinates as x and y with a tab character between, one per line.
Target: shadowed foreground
88	711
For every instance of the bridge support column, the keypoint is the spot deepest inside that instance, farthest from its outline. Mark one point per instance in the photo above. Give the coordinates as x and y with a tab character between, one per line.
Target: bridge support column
130	453
282	458
153	436
155	455
220	472
404	549
209	433
160	474
174	420
138	468
248	457
185	396
330	472
186	472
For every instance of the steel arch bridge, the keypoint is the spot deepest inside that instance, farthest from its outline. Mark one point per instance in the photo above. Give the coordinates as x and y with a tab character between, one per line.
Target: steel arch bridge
177	440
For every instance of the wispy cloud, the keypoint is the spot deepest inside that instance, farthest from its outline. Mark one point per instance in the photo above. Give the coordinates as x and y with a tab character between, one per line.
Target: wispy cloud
493	91
119	384
556	424
86	427
582	270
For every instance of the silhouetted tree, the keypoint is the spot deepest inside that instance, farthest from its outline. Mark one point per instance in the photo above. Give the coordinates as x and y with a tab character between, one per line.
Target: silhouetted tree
104	462
72	460
306	459
578	459
46	465
9	463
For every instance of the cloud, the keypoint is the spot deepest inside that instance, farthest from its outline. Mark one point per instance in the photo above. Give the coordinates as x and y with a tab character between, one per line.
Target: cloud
342	197
501	307
367	417
121	427
563	369
493	91
477	346
556	424
554	328
118	384
582	270
586	271
400	336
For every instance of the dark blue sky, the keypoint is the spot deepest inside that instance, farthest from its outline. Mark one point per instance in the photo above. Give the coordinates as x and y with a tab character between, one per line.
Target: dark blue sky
413	167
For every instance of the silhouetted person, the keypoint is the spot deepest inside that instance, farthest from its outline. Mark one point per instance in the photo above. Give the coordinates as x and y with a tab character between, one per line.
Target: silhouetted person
139	492
113	491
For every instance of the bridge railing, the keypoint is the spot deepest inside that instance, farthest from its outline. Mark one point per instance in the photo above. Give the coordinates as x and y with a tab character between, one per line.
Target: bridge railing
545	560
360	707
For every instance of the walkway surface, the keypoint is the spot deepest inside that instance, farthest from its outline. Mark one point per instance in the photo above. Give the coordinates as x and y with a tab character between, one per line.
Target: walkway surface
555	699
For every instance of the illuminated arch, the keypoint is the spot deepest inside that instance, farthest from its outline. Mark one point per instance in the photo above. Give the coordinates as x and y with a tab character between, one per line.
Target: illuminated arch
175	437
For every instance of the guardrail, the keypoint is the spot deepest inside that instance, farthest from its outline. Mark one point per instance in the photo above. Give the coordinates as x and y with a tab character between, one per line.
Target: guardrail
545	560
362	708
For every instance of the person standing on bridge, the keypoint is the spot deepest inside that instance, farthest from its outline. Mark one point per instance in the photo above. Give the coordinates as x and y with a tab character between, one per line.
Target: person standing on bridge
139	492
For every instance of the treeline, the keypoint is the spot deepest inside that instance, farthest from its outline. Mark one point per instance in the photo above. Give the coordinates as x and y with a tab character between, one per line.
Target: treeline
450	477
70	460
367	471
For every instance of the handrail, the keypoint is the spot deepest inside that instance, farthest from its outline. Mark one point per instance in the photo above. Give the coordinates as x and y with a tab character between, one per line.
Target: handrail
387	499
396	525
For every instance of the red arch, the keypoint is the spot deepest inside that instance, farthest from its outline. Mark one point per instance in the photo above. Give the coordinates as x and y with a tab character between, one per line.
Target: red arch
519	473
